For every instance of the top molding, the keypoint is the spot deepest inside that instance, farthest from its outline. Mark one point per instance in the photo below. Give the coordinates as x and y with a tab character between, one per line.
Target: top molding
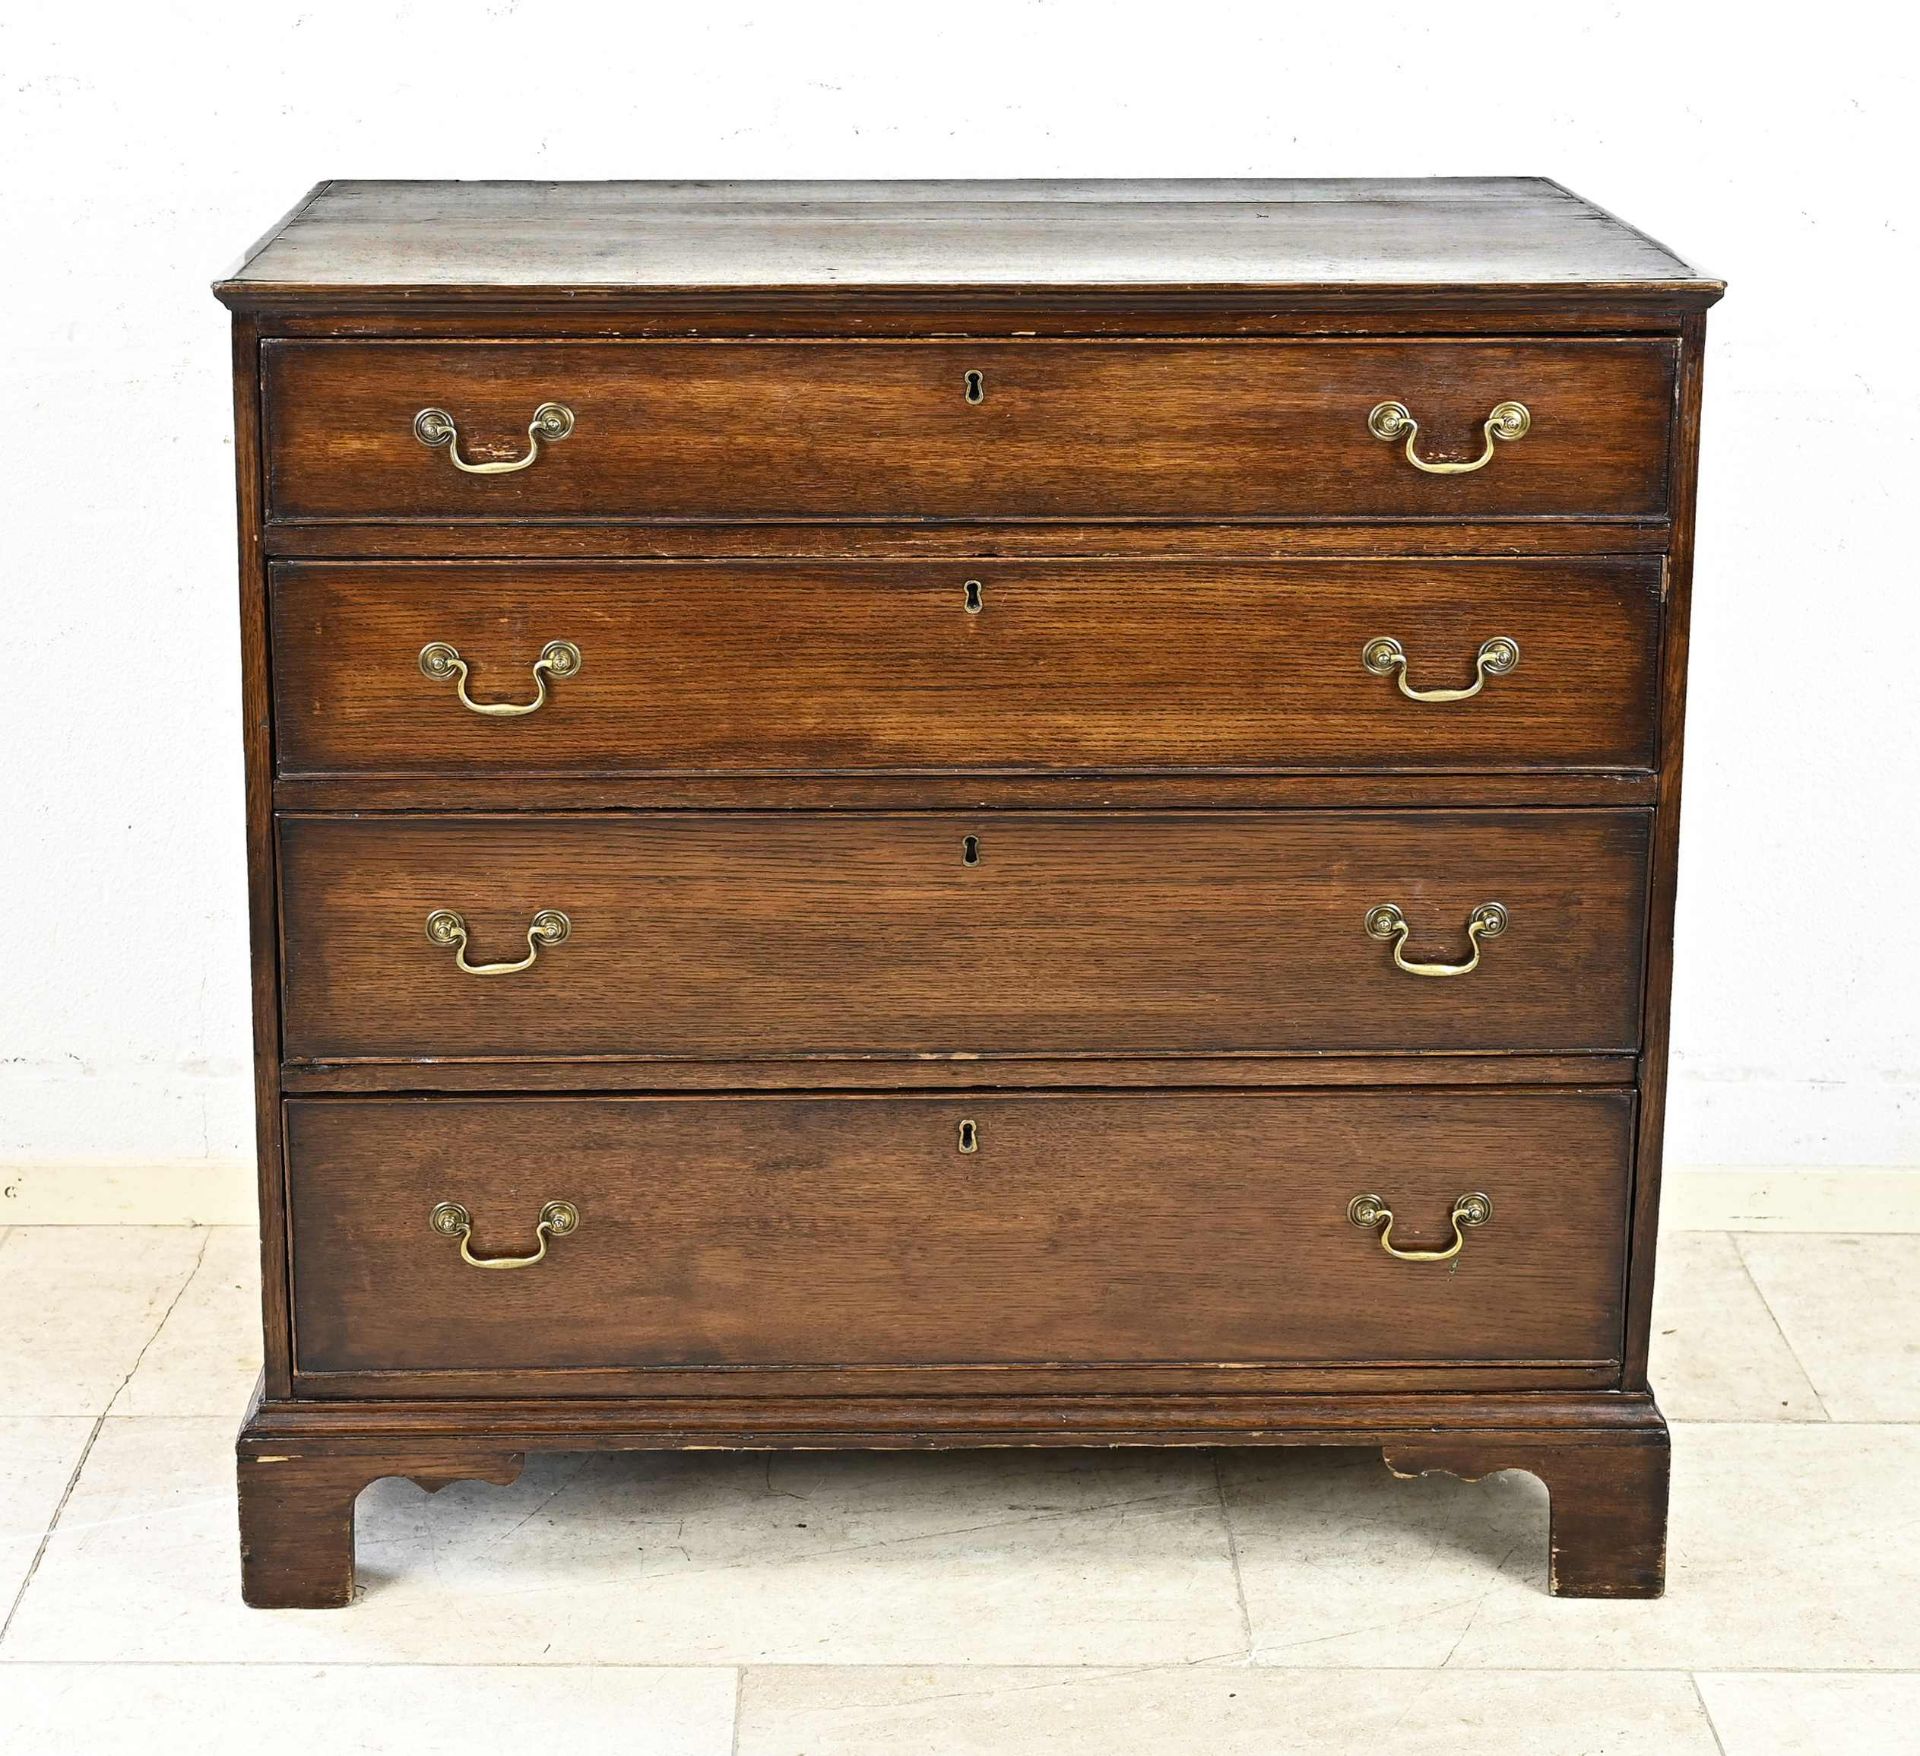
1375	243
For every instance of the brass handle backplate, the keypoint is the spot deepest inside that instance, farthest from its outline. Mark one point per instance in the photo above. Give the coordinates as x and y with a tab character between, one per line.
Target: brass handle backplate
558	658
1385	921
1394	420
552	422
447	928
1368	1211
1386	657
557	1219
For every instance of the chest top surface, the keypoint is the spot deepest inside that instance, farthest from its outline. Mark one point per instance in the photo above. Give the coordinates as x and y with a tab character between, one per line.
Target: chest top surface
352	237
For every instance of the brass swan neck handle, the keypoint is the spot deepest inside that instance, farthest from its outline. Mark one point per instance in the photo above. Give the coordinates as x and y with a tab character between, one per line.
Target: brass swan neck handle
552	422
1394	420
1385	921
447	928
1369	1211
557	1220
1386	657
558	658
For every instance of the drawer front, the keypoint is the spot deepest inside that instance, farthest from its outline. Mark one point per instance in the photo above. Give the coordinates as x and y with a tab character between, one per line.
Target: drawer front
855	1232
902	935
851	667
727	431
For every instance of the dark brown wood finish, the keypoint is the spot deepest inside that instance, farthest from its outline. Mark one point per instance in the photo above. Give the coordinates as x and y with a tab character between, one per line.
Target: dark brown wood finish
879	1231
635	1073
1167	790
726	431
1666	867
1471	236
964	542
1604	1459
1151	995
795	934
256	713
1608	1532
296	1517
1009	667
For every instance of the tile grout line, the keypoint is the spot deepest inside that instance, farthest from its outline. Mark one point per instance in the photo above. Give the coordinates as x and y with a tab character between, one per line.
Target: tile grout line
1793	1353
1233	1554
1699	1695
1093	1668
166	1316
53	1524
1808	1424
99	1422
739	1697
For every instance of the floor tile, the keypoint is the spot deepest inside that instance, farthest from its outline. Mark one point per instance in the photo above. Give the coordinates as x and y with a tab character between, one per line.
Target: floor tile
1107	1557
1850	1308
1215	1711
1344	1564
1814	1715
1717	1353
206	1356
37	1455
1793	1545
77	1304
442	1710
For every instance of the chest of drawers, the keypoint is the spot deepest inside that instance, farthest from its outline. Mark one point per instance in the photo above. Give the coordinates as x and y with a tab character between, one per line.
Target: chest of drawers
935	815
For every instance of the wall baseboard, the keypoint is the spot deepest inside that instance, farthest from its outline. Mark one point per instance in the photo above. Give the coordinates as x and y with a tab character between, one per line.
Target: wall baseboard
196	1193
1697	1198
1791	1198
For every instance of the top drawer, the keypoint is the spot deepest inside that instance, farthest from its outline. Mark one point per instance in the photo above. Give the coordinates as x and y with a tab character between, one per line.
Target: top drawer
961	430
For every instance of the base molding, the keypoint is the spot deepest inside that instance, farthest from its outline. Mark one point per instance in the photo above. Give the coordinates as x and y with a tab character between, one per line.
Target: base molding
1602	1455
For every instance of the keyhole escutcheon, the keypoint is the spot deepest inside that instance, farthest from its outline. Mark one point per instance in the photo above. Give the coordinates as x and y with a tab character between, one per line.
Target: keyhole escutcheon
973	597
969	1136
976	387
970	850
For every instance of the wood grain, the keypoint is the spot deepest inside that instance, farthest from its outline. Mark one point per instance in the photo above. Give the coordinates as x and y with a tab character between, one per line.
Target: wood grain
1473	231
855	1231
960	1072
256	717
1607	1535
964	542
1152	993
882	667
791	933
733	430
1664	889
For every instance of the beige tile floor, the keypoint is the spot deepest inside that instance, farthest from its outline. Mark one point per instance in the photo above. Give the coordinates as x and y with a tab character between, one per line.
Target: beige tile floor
1103	1603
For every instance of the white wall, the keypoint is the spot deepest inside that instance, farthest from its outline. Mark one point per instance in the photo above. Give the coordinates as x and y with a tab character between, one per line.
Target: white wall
143	146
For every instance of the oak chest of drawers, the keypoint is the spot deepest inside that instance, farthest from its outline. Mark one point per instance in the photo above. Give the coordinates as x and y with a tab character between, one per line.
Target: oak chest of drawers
961	814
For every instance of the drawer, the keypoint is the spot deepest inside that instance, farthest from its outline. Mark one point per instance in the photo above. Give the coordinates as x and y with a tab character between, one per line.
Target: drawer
1079	1229
735	935
885	430
860	667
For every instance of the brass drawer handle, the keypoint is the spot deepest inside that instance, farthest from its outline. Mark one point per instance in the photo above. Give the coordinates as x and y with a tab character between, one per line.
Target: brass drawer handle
557	1219
446	928
1386	921
558	658
1386	657
552	421
1389	420
1368	1211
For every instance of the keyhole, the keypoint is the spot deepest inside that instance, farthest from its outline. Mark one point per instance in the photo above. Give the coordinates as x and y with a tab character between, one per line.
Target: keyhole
976	387
973	597
969	1136
970	850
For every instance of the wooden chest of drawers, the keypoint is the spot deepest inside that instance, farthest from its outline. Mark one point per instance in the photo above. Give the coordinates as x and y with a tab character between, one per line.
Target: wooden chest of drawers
961	814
